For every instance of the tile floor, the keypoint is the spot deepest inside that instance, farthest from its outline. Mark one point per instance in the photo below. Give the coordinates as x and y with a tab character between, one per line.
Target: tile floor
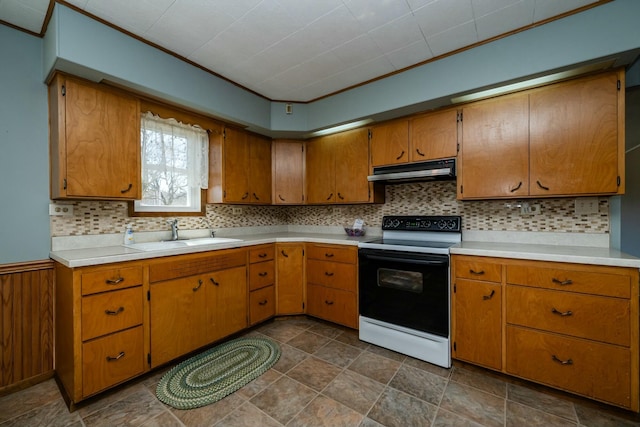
327	377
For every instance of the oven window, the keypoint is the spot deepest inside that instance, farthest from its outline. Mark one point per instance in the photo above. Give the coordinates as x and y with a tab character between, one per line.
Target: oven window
410	281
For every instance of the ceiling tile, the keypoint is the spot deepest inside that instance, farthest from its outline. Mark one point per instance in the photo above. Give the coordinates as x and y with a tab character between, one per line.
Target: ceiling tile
454	38
357	51
412	54
504	20
305	12
29	14
483	7
371	15
397	34
335	28
441	15
548	8
135	16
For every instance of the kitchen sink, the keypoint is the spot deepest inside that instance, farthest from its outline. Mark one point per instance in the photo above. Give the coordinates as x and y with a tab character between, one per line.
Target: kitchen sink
175	244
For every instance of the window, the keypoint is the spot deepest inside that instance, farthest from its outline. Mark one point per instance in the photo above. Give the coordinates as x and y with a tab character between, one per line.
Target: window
175	166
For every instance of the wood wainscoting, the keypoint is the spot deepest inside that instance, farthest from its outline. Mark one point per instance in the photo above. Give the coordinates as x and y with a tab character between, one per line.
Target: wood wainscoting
26	324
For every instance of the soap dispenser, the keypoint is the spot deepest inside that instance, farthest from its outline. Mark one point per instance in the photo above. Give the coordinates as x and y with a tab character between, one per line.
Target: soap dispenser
128	235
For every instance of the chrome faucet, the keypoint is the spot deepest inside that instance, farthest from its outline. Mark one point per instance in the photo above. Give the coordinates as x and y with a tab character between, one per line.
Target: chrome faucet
174	229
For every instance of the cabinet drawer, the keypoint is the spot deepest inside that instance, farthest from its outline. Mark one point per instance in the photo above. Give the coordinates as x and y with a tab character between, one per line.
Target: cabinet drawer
477	269
594	281
191	265
333	253
261	253
262	304
586	316
111	311
261	274
600	371
332	274
112	359
335	305
109	280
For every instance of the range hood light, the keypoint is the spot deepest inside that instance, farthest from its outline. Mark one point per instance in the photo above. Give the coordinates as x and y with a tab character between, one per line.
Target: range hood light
341	128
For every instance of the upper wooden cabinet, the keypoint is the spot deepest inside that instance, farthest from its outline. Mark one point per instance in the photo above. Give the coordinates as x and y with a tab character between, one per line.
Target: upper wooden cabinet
94	141
288	172
425	137
240	168
337	167
565	139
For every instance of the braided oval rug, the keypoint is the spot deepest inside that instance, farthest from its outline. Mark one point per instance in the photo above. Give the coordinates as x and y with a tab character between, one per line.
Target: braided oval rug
217	372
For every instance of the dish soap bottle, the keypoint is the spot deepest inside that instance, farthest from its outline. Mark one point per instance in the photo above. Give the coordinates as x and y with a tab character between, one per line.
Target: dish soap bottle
128	235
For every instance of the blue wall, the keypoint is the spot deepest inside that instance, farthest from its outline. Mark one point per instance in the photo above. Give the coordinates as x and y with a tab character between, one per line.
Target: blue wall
24	150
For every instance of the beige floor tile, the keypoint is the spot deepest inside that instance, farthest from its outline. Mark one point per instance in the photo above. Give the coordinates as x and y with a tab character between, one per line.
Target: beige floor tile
419	383
480	380
283	399
519	415
18	403
354	390
248	415
375	367
314	373
445	418
337	353
545	402
308	342
476	405
289	358
397	409
325	412
134	409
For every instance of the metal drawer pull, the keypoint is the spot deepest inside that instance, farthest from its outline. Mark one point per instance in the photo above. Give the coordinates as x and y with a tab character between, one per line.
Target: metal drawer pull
330	196
118	357
114	281
127	189
419	153
486	297
562	282
560	361
262	274
114	313
561	313
281	198
214	282
328	255
263	302
340	196
262	255
198	287
478	273
542	186
256	196
328	302
284	254
328	273
517	187
400	156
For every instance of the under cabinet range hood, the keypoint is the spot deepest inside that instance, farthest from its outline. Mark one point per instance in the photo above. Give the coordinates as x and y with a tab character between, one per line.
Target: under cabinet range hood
443	169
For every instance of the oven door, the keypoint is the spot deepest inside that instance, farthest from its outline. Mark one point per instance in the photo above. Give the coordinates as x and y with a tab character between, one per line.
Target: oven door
405	288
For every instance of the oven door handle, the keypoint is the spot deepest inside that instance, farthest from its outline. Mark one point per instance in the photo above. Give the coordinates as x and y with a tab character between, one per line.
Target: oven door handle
408	260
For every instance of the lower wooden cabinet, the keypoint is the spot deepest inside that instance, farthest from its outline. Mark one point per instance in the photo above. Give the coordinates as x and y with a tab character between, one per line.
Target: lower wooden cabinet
262	304
262	280
569	326
335	305
290	273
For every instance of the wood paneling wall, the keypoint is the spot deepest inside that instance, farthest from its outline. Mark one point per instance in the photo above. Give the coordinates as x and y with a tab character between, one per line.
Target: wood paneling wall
26	324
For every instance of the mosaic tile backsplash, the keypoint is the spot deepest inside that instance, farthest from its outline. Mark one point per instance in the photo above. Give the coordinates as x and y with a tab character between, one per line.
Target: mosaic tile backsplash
428	198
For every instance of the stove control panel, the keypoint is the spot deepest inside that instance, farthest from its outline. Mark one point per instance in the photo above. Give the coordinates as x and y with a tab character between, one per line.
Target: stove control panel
422	223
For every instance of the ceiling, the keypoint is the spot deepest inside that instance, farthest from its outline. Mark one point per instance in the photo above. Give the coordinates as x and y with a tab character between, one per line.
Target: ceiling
301	50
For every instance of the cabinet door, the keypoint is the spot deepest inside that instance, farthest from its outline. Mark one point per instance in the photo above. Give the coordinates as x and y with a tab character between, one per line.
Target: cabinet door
320	173
259	170
102	137
288	172
390	143
574	137
434	136
226	292
352	166
477	310
494	156
290	278
236	161
177	318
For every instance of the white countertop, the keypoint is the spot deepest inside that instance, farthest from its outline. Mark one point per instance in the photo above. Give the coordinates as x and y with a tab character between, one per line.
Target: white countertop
557	253
109	254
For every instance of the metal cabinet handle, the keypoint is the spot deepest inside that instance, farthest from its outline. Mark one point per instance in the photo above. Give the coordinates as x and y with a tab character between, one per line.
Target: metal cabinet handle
517	187
419	153
328	273
560	361
127	189
264	302
281	198
114	281
256	196
114	312
562	282
486	297
261	274
114	358
199	284
214	282
542	186
477	273
284	254
330	196
340	196
245	195
328	254
262	255
561	313
400	156
328	302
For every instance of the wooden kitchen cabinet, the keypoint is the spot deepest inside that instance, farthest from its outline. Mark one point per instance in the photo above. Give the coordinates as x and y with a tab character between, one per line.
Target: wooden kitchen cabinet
262	281
477	311
94	141
288	171
332	283
564	139
337	167
433	135
390	143
240	168
100	327
290	273
569	326
195	300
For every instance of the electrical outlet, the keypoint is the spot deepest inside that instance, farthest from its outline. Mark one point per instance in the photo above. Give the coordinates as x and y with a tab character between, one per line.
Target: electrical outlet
58	209
236	210
587	205
527	209
337	211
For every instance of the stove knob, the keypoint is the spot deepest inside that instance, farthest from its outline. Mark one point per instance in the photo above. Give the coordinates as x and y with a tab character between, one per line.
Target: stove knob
396	223
426	224
442	224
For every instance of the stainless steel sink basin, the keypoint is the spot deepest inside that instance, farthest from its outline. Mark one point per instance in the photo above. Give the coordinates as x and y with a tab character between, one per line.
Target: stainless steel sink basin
174	244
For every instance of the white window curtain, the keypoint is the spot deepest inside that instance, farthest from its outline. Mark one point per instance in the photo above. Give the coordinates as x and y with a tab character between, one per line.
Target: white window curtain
175	164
